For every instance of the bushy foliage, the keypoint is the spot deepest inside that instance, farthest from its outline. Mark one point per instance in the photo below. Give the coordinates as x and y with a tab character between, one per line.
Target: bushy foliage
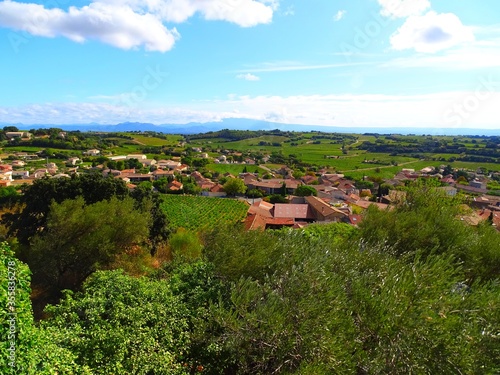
235	186
24	348
305	191
427	222
298	302
413	291
122	325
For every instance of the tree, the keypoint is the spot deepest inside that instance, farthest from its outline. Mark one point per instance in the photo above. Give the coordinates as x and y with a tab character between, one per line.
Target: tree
8	196
255	193
37	198
191	188
234	186
283	190
364	184
199	163
79	239
277	198
161	184
305	191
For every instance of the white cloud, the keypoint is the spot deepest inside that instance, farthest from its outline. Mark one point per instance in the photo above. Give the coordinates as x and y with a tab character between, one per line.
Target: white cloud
469	58
431	32
475	108
245	13
118	26
248	77
288	66
339	15
129	24
403	8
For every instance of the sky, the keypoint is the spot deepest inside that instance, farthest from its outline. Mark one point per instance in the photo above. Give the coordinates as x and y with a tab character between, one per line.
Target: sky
364	63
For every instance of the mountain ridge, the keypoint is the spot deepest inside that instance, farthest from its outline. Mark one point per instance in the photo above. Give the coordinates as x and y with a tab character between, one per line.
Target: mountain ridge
249	124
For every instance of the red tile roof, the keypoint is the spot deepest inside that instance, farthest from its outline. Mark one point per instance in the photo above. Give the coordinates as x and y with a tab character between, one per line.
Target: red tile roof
254	222
295	211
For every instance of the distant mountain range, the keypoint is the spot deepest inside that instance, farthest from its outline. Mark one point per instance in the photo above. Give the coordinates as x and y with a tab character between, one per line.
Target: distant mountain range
249	124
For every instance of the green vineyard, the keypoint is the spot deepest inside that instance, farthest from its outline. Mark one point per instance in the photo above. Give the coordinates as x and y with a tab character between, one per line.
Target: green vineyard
195	212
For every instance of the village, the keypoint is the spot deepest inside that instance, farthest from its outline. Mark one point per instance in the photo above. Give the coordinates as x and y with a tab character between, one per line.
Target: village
276	198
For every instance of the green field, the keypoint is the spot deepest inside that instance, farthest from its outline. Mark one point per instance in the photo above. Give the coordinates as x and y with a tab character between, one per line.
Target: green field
195	212
234	169
146	140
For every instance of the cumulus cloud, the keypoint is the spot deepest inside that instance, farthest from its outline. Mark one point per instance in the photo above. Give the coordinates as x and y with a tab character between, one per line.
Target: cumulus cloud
130	23
431	32
248	77
403	8
339	15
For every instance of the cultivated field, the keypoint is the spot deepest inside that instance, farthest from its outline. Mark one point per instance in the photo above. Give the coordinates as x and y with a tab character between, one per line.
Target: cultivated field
195	212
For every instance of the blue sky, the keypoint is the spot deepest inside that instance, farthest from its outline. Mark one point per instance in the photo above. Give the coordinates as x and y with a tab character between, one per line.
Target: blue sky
369	63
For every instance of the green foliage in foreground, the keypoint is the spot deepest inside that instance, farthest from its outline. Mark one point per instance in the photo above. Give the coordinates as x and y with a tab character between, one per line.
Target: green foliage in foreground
122	325
304	306
24	348
401	295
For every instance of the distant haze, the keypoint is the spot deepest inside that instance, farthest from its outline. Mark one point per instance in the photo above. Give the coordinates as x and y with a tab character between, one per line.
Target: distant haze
246	124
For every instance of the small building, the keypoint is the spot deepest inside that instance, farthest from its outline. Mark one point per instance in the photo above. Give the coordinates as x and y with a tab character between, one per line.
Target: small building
297	212
215	191
148	162
117	157
136	156
323	211
20	174
175	186
73	161
159	173
18	163
168	164
18	135
39	173
139	177
92	152
477	184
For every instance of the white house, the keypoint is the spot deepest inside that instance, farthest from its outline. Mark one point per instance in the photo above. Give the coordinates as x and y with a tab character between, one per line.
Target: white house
148	162
18	163
170	164
118	157
12	135
21	174
72	161
6	176
39	173
137	156
92	152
